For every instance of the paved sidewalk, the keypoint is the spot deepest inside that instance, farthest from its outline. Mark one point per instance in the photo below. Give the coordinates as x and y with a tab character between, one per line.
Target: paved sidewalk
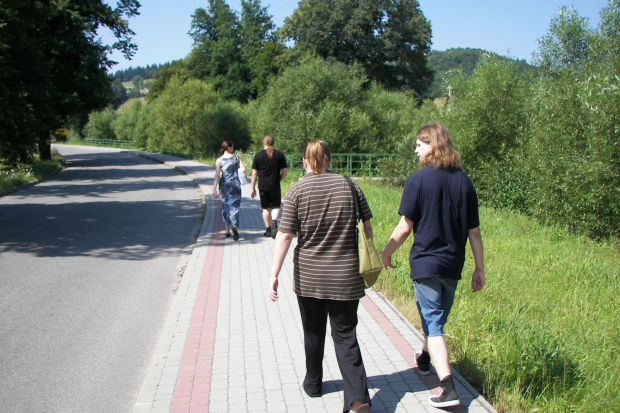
226	347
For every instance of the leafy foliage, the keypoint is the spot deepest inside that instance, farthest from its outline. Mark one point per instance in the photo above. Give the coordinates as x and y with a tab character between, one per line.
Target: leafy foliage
464	61
226	46
126	121
576	131
147	72
54	67
101	125
488	119
329	101
191	117
389	39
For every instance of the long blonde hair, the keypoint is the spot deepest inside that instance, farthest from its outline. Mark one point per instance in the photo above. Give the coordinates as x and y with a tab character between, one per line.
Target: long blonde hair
443	154
268	142
318	156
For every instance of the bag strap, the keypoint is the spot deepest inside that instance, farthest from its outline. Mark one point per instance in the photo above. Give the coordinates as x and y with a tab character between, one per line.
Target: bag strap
356	200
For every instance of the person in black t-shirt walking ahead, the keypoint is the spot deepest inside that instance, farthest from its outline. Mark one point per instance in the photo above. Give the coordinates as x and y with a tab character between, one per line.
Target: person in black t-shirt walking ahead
440	206
269	167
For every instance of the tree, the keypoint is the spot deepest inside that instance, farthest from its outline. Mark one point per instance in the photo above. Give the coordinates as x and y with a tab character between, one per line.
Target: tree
101	125
138	85
216	56
567	44
259	45
226	46
331	101
54	67
126	121
177	69
389	38
119	92
488	117
575	133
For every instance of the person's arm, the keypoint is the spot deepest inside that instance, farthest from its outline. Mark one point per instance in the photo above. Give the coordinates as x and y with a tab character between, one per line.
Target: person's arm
216	179
254	176
399	235
283	174
475	241
241	165
282	244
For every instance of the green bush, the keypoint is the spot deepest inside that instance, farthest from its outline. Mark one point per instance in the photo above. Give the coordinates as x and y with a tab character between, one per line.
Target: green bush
101	125
487	118
574	151
315	100
405	161
189	117
184	114
333	102
127	120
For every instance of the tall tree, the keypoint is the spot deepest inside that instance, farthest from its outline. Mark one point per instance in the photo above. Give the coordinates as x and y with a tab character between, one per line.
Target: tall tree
389	38
54	66
226	45
216	56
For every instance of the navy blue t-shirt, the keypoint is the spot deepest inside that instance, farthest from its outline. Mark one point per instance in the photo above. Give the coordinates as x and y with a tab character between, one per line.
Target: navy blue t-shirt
443	205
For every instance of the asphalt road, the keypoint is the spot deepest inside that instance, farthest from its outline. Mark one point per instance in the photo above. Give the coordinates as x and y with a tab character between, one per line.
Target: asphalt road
88	267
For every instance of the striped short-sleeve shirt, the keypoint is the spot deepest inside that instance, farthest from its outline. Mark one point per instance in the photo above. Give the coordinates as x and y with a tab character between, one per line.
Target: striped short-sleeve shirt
320	210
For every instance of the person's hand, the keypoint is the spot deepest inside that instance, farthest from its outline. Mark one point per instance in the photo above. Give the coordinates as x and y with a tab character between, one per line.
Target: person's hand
477	280
273	288
216	196
386	260
253	194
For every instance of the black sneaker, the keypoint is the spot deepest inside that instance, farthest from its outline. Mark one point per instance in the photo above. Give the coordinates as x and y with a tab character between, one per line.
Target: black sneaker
423	360
445	399
267	232
235	234
273	229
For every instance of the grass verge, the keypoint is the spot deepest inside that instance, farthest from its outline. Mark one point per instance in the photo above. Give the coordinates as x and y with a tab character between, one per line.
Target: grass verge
543	334
14	176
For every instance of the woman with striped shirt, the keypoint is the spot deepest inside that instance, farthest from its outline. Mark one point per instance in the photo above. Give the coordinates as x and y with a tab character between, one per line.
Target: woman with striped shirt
319	208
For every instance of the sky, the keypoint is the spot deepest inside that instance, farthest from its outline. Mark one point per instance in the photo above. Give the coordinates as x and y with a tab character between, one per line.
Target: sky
507	27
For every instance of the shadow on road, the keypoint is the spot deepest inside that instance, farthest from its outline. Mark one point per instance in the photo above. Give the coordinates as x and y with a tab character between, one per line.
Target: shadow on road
78	212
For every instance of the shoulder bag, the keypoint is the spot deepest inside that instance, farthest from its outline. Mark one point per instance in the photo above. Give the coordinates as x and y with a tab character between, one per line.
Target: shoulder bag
243	179
370	260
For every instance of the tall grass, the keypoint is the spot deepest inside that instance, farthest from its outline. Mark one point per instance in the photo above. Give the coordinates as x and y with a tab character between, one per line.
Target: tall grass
543	335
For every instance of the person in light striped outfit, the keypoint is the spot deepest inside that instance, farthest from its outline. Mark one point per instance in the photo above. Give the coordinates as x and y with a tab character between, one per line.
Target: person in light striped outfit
320	209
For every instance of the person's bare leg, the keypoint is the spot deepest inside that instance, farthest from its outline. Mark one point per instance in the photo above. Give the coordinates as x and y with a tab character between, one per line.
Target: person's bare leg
266	217
439	355
360	407
275	214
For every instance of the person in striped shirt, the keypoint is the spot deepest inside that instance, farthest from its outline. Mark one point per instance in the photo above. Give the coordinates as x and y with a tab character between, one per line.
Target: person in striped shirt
319	208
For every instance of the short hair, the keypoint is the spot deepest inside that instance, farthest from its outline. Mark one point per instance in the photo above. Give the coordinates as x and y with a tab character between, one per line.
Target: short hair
318	156
443	154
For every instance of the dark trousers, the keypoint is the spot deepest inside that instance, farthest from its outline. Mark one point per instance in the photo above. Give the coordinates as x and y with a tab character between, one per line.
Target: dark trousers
343	321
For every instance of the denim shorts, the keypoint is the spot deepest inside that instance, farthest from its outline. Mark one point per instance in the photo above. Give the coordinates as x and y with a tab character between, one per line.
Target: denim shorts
434	298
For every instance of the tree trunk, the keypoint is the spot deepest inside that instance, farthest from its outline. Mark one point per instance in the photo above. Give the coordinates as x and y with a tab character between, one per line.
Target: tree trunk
45	148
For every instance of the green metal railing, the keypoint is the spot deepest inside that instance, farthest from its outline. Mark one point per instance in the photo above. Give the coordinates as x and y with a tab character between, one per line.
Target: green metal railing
345	163
111	143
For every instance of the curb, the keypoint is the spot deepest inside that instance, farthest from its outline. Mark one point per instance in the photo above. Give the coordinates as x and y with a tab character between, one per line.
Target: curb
29	184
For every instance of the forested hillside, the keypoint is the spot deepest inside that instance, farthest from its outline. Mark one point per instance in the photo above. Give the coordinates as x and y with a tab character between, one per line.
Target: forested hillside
464	60
148	72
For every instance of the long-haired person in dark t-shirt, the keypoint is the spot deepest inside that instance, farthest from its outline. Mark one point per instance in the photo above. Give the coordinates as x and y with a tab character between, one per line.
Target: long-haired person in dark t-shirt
440	205
269	168
320	209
